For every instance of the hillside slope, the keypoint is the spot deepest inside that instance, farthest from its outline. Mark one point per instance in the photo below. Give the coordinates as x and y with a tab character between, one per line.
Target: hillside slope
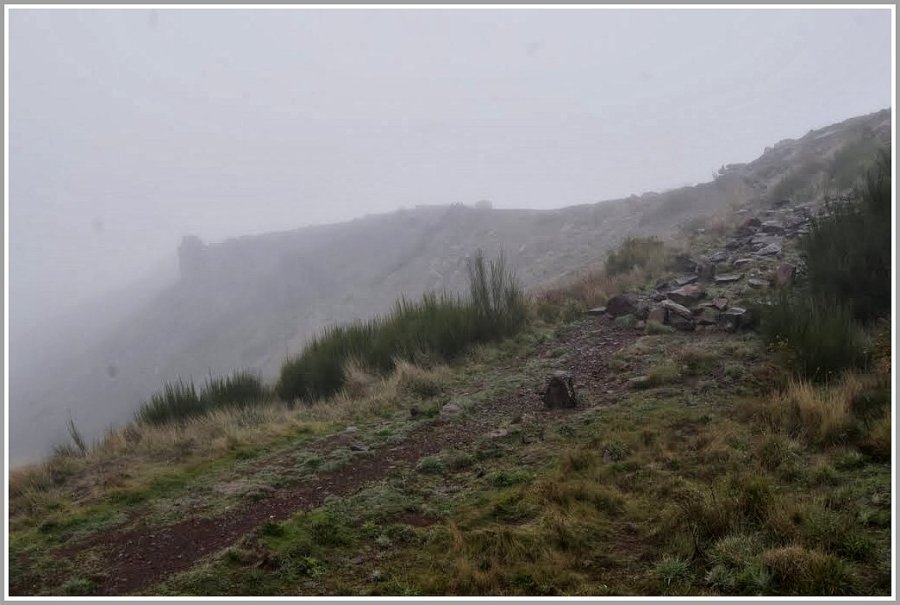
249	302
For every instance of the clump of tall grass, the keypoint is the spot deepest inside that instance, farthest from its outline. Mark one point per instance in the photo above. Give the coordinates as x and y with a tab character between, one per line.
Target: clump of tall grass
820	339
180	400
635	252
848	250
816	414
437	327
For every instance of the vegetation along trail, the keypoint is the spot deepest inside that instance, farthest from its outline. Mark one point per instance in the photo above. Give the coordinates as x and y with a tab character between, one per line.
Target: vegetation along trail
139	556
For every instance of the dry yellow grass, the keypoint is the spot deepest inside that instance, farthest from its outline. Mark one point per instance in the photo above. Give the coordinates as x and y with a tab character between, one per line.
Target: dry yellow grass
820	415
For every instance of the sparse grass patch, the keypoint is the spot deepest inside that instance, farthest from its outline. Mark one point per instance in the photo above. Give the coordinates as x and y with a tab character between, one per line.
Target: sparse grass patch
799	571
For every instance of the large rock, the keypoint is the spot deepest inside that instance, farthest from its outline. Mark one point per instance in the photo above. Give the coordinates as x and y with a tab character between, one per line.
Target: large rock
685	263
720	303
687	295
748	226
784	276
684	280
708	317
559	391
676	309
718	257
773	228
736	318
657	313
681	323
706	270
623	304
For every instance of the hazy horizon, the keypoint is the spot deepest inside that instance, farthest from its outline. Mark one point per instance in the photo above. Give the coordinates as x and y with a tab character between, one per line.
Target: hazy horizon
132	128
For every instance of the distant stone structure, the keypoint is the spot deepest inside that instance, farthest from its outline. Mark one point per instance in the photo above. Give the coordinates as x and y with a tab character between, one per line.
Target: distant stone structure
191	256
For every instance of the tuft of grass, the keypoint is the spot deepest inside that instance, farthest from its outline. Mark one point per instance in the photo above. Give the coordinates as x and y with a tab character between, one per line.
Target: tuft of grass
672	571
431	465
179	400
818	415
800	571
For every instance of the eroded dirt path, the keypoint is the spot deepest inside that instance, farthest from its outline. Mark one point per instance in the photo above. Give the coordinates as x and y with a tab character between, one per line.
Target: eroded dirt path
135	558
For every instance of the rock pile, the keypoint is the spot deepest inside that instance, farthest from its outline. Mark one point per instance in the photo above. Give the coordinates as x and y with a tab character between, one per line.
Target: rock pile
748	261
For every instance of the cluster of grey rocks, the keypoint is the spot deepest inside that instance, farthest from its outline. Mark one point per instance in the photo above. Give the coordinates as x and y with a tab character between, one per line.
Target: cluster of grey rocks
701	295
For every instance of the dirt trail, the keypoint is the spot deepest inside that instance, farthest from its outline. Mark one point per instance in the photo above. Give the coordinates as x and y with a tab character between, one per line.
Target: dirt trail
138	557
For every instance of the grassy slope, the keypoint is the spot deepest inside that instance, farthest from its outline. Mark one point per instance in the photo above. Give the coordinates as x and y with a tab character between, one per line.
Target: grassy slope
671	490
692	486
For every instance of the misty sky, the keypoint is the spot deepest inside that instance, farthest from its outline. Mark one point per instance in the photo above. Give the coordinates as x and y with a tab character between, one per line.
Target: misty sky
131	128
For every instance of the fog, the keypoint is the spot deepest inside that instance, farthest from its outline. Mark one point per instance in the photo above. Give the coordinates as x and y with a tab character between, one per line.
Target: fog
129	129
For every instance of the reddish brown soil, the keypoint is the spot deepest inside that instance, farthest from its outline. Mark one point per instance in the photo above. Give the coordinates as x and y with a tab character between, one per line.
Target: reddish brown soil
140	556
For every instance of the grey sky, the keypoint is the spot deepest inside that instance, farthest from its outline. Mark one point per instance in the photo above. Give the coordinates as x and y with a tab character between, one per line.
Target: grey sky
131	128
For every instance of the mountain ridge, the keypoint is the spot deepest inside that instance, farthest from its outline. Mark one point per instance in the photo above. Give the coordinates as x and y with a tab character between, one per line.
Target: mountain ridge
250	301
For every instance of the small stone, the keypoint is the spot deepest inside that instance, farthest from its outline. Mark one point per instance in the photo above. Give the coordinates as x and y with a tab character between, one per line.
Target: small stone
729	278
769	250
451	409
596	311
757	284
684	280
718	257
773	227
740	262
720	303
638	382
675	309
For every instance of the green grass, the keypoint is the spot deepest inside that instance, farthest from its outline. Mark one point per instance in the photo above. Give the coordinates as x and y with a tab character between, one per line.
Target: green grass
180	400
848	251
818	339
438	327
